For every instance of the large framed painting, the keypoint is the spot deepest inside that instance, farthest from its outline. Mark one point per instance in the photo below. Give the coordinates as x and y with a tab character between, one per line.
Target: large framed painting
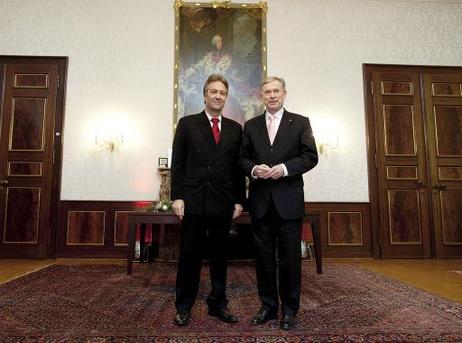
219	38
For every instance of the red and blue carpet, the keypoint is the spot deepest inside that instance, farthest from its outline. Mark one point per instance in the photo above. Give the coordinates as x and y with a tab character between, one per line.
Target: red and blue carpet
102	304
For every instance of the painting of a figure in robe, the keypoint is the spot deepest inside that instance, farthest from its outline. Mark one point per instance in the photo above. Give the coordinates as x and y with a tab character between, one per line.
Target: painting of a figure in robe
220	41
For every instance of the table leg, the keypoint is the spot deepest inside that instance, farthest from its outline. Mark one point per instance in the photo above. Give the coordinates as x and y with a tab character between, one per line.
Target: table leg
317	243
143	243
131	245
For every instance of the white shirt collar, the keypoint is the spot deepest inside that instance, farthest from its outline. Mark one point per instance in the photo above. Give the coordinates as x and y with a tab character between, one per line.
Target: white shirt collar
210	117
278	114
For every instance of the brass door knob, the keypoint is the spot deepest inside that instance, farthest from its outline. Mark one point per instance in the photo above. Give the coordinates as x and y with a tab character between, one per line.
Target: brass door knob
437	187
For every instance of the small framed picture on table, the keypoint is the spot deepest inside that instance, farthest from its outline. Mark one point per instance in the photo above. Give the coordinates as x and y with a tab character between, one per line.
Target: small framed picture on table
163	162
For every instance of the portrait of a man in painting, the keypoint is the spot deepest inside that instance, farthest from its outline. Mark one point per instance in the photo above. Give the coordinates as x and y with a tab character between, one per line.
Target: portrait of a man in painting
220	41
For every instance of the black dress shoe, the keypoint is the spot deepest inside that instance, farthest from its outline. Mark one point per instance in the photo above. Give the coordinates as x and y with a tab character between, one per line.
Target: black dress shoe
224	315
287	321
182	318
263	316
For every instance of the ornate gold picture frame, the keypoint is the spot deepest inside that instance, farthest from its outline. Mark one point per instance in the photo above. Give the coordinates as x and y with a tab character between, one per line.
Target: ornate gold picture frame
223	38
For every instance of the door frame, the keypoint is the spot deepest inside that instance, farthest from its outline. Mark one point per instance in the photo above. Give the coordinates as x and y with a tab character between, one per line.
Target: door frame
371	141
62	64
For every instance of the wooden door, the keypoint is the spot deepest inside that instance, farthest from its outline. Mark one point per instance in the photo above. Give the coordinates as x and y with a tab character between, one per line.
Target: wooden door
400	158
414	117
27	144
443	104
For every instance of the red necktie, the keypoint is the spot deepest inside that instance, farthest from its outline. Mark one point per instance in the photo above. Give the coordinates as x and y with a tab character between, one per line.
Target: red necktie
216	129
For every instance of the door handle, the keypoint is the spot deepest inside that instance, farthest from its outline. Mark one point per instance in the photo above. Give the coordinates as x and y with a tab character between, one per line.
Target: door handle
437	187
422	187
3	182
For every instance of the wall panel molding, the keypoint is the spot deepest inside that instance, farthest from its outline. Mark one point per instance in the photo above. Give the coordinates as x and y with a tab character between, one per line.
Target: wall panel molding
345	228
96	228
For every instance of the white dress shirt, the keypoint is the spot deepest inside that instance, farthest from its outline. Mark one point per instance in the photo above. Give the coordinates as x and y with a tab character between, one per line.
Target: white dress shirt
278	117
210	120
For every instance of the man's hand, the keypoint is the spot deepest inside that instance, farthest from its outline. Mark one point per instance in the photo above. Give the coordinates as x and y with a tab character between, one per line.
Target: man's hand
260	171
178	208
237	210
275	172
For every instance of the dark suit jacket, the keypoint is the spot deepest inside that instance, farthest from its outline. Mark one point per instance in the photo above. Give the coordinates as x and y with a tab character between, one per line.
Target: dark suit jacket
205	175
294	145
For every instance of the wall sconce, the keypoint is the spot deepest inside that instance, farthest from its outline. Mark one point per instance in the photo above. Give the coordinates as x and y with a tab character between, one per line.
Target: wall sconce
326	132
109	142
326	146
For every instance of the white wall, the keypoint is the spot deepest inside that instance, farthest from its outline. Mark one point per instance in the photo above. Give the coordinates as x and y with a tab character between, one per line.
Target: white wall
121	73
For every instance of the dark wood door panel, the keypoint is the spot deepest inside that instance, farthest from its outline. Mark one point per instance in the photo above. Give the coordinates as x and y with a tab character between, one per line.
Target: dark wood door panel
404	222
22	214
451	217
444	125
414	117
28	123
401	165
399	130
448	130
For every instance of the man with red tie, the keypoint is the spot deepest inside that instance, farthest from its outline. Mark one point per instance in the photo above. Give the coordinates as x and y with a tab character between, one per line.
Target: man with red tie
278	147
208	190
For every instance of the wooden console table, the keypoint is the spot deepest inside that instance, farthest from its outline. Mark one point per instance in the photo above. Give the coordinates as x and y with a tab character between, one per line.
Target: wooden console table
168	218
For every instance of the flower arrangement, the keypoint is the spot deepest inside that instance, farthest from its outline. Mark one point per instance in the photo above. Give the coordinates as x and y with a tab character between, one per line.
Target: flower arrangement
160	206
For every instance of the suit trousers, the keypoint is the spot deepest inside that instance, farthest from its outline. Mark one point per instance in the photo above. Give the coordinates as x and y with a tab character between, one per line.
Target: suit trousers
274	235
196	231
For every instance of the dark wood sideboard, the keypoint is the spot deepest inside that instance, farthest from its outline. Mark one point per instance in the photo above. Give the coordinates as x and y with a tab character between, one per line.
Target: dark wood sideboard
164	219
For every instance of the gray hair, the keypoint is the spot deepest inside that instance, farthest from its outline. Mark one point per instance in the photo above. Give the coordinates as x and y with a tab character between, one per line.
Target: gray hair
274	78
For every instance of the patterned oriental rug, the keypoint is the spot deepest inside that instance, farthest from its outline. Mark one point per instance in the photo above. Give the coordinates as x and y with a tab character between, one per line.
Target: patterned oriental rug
100	303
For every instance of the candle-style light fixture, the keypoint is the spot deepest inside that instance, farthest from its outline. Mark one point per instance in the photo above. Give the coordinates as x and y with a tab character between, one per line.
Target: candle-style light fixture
110	142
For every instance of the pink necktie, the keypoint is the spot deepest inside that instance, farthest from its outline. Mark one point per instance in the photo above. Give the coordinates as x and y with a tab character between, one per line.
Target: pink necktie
216	129
272	127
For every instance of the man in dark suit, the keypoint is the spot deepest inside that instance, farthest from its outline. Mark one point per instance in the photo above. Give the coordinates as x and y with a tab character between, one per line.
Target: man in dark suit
208	190
277	148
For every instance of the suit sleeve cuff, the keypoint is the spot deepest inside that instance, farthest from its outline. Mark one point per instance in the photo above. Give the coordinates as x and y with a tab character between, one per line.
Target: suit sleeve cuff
286	173
252	174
